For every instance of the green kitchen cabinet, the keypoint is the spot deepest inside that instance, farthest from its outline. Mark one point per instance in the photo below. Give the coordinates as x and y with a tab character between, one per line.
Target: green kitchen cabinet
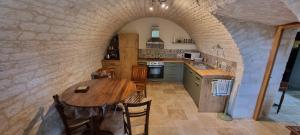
196	88
199	89
187	77
189	80
185	73
192	83
173	72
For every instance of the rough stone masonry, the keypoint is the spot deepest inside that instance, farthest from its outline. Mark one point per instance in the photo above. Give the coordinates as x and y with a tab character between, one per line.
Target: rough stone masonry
48	45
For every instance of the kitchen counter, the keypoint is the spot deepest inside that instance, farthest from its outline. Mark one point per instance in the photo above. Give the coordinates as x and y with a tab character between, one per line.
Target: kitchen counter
161	59
205	73
196	80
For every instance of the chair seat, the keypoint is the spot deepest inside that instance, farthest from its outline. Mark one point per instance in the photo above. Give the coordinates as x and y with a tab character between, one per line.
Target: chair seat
134	99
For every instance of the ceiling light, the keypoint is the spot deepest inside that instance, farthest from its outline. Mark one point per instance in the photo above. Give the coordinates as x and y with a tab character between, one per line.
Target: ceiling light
151	8
166	7
163	5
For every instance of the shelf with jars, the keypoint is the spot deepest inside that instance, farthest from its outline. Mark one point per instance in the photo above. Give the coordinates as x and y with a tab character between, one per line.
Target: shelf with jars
112	52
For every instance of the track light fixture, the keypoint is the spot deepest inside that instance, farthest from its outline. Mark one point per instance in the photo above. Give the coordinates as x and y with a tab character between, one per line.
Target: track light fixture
161	3
151	8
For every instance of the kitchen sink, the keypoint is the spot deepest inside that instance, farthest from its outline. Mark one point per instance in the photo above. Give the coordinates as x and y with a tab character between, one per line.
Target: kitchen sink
202	67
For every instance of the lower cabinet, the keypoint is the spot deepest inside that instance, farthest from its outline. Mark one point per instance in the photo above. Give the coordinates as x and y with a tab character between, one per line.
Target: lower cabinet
173	72
199	89
195	89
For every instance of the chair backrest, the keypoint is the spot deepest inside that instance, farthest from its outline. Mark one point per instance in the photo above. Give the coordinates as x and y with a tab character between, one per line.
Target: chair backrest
60	108
144	113
139	73
105	73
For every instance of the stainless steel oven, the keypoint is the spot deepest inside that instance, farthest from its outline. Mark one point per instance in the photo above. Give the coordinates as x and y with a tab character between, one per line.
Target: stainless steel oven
155	69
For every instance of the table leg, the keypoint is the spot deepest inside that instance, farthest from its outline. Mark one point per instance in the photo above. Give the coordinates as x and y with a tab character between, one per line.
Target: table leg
98	123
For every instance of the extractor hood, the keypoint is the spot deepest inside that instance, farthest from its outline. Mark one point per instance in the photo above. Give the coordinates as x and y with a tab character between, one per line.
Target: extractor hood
155	41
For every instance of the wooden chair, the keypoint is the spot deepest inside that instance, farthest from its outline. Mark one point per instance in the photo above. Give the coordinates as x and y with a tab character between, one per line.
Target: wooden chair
143	111
70	124
139	77
104	73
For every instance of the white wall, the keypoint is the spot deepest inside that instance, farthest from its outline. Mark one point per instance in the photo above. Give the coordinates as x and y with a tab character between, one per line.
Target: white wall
168	30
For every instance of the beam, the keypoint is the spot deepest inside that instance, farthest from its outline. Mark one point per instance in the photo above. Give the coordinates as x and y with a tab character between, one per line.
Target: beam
269	69
291	25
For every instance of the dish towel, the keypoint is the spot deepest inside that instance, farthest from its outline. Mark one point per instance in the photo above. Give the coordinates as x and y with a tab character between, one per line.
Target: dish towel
221	87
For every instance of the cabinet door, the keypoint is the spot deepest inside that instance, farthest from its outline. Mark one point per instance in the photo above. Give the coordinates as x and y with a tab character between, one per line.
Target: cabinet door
173	72
128	46
196	88
189	80
180	72
185	77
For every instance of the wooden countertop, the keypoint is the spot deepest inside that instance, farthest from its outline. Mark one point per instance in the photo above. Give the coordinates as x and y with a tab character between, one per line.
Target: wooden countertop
162	59
211	73
205	73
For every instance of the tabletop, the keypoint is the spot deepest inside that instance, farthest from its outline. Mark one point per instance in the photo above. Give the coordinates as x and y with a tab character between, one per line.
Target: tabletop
101	92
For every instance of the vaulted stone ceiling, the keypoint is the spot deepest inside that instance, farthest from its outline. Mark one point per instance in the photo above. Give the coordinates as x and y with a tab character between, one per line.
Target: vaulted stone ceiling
271	12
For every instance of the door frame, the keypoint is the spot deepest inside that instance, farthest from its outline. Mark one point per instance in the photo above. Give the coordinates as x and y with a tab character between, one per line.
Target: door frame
269	68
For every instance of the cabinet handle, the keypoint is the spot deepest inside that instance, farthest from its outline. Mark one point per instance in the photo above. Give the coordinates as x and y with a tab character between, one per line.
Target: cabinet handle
196	83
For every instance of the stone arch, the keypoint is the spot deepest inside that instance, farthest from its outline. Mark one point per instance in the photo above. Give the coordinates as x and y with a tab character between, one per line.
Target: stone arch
49	45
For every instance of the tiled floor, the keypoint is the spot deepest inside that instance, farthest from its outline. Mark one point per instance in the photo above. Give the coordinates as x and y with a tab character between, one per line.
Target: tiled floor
290	109
174	113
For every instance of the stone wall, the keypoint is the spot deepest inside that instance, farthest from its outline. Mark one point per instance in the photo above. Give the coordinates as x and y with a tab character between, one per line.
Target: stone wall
254	41
44	48
293	5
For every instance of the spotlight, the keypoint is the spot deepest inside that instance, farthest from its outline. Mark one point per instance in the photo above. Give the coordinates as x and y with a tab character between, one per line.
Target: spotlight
151	8
163	5
167	7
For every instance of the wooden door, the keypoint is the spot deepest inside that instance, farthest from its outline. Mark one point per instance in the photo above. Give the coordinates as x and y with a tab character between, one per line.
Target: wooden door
128	46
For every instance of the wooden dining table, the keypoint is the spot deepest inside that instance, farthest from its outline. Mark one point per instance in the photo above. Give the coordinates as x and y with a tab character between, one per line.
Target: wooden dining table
101	92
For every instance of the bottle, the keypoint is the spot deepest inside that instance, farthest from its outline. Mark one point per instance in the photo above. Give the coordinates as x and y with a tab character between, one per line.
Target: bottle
107	56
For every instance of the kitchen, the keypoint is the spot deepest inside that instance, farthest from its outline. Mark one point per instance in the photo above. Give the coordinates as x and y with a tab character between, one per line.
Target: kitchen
171	56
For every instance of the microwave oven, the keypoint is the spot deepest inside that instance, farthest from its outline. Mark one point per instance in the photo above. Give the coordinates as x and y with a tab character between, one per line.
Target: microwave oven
191	55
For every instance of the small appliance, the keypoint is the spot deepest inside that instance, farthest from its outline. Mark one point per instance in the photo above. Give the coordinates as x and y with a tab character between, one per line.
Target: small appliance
191	55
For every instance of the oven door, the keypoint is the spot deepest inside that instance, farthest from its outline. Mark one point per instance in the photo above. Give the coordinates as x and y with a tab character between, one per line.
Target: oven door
187	55
156	71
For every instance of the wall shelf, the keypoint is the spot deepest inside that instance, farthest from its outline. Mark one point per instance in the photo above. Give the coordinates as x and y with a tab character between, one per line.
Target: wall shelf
183	43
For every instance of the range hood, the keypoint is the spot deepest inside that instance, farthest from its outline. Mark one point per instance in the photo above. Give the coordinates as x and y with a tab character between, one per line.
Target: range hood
155	41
